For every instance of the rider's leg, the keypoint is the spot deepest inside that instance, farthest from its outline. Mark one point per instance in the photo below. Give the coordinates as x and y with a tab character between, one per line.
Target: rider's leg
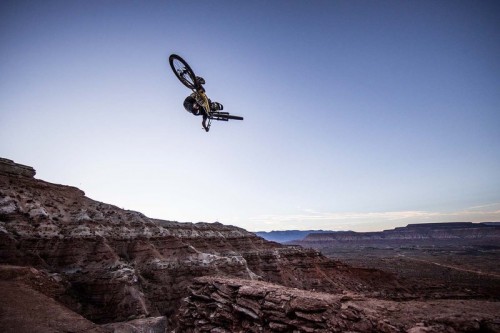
204	123
200	80
214	106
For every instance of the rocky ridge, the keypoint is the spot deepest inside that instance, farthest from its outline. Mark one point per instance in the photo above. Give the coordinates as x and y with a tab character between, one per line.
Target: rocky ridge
110	265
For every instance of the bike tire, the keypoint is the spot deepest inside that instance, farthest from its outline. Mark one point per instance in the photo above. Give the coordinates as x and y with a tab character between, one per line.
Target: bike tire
183	71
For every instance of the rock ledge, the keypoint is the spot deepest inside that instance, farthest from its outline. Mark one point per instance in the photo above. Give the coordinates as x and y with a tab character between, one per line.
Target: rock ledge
12	168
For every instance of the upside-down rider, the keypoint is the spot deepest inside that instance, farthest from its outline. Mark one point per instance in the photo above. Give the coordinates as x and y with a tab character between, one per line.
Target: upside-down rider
194	104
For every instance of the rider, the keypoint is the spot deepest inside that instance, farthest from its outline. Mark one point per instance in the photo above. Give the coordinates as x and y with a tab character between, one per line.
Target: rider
193	104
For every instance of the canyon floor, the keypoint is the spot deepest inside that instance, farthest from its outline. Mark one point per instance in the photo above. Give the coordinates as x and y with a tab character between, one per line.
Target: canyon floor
448	271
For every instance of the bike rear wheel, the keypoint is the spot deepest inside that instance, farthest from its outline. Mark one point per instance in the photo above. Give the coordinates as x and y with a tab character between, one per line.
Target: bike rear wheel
183	71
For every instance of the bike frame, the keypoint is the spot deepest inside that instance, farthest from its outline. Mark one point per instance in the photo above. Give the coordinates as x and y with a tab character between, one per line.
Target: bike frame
205	104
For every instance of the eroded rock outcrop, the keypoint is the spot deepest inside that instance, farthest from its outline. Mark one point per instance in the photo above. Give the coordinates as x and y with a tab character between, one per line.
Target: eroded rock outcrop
218	304
14	169
117	265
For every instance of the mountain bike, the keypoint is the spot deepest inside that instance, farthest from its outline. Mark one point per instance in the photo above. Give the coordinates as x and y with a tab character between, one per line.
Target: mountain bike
186	75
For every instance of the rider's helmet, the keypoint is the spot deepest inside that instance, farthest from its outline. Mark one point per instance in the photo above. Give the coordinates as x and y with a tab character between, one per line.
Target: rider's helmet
191	105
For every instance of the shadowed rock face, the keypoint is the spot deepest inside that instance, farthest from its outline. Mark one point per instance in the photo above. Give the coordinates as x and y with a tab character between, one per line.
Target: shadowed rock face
29	305
115	264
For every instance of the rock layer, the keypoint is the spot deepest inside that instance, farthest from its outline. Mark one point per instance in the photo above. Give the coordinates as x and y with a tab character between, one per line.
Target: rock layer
115	265
218	304
15	169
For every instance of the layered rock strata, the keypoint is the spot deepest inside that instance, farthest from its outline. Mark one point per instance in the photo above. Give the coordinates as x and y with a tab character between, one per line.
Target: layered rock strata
223	305
69	263
14	169
115	264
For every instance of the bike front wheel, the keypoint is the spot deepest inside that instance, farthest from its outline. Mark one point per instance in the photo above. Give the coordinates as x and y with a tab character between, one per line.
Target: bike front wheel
183	71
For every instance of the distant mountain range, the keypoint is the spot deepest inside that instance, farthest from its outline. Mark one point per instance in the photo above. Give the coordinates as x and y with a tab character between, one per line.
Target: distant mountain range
439	230
283	236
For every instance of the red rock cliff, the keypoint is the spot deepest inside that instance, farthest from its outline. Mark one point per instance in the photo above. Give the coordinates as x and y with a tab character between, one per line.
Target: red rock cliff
117	264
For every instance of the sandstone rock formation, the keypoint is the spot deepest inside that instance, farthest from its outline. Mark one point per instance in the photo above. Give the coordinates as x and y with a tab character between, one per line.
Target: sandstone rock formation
218	304
116	264
101	268
15	169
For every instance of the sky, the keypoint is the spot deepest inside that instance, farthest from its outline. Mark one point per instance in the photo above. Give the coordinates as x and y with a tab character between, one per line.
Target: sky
359	115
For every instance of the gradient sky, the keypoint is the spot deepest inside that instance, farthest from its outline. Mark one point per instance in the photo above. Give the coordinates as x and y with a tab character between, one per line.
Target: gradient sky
359	115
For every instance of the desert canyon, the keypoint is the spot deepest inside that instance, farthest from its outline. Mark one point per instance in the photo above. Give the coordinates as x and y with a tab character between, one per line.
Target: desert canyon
72	264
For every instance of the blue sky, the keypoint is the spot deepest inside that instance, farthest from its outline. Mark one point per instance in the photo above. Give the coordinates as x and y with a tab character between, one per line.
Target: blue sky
359	115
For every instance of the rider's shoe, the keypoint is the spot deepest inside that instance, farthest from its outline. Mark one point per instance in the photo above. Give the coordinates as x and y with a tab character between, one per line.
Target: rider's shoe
216	106
200	80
